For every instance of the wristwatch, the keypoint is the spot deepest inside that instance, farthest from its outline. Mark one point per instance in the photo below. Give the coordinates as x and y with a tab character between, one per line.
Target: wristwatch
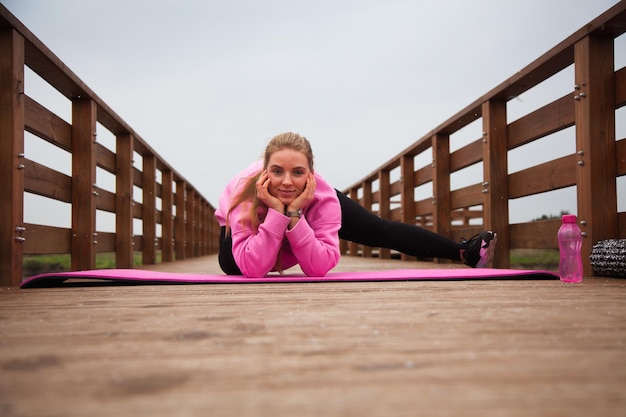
297	213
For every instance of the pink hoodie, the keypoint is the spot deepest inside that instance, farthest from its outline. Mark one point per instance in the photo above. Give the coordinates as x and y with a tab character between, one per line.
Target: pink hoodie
313	243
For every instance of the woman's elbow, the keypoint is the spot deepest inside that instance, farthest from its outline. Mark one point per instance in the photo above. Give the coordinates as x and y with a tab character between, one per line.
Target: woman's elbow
254	273
320	269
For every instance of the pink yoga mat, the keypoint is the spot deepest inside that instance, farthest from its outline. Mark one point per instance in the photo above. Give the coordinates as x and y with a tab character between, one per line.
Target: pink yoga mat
140	276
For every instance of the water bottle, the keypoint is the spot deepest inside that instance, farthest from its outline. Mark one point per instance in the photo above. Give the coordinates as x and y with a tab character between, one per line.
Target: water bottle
570	244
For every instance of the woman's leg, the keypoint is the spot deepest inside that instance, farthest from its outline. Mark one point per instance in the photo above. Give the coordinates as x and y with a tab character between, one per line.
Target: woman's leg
360	226
225	257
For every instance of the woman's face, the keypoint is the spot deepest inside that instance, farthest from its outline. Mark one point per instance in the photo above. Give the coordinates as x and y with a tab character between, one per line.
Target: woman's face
288	171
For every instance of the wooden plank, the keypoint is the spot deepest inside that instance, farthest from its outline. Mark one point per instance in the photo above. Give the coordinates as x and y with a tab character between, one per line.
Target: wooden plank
466	197
548	119
124	201
466	156
424	207
376	197
138	243
353	247
105	242
552	175
536	235
384	197
11	156
620	157
201	228
465	232
396	214
470	348
595	139
367	203
149	210
423	175
441	203
137	210
180	231
407	179
620	87
496	185
83	180
106	200
167	221
41	239
46	182
210	221
395	188
41	122
214	231
105	158
197	224
137	174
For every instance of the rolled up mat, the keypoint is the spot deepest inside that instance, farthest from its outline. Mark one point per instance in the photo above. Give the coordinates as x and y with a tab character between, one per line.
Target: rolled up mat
608	258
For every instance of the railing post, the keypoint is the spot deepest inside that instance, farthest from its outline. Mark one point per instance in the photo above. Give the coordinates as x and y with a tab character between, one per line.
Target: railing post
149	210
124	181
191	221
496	178
353	247
211	229
208	212
384	197
595	141
167	224
84	239
197	224
407	196
179	223
11	156
366	186
442	212
442	202
202	228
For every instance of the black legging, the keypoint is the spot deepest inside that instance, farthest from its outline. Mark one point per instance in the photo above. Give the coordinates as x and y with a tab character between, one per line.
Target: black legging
360	226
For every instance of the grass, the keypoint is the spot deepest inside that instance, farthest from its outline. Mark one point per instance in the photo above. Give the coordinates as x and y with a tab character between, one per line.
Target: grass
40	264
535	259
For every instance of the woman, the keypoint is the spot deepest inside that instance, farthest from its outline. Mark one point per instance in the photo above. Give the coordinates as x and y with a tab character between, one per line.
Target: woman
278	213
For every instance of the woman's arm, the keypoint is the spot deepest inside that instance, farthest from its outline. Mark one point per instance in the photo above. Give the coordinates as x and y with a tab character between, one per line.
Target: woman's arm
316	250
255	252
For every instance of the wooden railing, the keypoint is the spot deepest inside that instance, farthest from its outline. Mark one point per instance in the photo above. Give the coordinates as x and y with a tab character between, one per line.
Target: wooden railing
598	90
187	225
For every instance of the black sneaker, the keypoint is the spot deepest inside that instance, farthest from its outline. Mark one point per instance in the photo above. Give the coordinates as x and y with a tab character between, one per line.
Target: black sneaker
478	251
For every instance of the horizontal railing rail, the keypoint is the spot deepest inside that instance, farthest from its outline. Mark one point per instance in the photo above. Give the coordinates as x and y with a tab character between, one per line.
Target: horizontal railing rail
166	201
598	91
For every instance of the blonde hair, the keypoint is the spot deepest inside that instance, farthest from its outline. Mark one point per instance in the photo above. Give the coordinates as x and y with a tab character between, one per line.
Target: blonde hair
288	140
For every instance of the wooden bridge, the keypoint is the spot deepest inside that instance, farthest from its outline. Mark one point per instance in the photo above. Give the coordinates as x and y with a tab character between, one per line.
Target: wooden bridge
169	203
440	348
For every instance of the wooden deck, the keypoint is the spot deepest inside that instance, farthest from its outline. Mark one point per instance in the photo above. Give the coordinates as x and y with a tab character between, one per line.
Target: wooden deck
482	348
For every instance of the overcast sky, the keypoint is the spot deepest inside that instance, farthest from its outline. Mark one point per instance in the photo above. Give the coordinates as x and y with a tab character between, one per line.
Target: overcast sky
206	83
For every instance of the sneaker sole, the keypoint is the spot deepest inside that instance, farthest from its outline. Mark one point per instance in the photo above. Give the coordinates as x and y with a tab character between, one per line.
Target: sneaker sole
486	254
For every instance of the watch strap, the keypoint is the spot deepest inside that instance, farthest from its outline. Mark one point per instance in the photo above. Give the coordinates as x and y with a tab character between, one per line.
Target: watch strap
296	213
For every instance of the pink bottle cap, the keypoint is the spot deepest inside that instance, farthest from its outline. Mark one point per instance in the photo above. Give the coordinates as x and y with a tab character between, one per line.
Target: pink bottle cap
569	218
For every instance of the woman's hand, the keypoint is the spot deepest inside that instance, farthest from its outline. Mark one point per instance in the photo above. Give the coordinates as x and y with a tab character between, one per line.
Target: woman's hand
306	197
263	192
